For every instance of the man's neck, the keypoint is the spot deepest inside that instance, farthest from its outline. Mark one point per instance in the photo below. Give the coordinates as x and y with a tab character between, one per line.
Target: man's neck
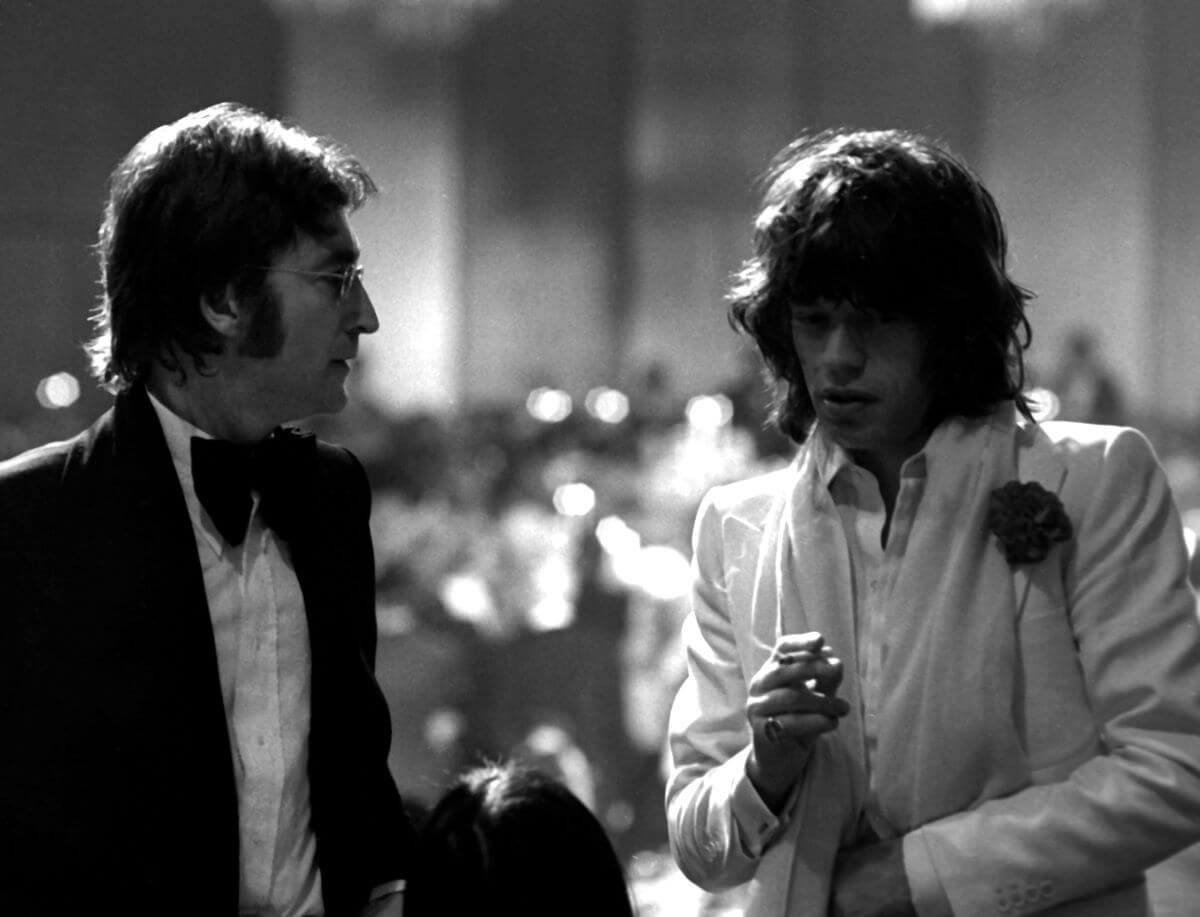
207	403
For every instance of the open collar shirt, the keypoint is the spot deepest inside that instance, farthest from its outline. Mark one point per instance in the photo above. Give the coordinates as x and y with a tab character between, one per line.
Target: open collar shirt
874	566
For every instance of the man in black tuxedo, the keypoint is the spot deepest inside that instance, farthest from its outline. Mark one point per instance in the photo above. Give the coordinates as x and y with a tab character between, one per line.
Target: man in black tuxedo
188	711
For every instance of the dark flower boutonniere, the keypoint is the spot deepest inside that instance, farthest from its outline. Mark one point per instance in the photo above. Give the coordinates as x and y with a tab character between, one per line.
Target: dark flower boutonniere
1028	520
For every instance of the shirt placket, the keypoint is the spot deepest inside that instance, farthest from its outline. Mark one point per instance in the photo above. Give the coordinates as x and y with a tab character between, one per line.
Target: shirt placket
256	718
883	571
869	528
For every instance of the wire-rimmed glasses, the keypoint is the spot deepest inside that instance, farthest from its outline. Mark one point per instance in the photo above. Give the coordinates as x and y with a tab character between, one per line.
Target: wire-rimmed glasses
346	277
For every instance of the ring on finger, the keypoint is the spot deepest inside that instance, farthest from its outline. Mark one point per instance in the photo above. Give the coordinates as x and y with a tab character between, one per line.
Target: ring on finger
773	729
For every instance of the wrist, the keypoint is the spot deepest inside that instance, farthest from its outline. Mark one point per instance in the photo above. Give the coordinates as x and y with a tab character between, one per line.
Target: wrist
774	786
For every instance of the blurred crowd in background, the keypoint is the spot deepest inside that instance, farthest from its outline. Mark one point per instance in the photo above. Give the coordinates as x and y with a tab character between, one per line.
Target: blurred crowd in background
533	573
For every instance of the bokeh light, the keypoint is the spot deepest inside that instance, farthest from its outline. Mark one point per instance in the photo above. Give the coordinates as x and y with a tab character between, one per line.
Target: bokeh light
549	405
574	499
1043	403
607	404
709	412
58	391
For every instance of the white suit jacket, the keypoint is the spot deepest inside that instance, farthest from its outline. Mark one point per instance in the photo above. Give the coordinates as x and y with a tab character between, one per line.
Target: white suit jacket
1040	745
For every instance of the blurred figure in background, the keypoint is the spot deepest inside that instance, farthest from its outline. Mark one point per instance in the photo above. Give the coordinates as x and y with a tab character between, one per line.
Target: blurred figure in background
191	721
947	661
511	839
655	404
750	391
1086	388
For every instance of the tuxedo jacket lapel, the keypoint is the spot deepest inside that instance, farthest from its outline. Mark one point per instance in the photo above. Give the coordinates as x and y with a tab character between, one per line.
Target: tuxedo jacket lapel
323	564
158	564
138	658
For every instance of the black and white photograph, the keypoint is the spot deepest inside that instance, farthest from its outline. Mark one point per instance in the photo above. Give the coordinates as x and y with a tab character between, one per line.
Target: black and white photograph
606	458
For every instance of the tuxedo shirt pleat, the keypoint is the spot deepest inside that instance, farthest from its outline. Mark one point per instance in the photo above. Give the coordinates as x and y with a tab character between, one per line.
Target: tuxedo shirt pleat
264	658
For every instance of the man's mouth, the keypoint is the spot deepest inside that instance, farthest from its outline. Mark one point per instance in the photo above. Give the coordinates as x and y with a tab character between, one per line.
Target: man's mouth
844	396
839	406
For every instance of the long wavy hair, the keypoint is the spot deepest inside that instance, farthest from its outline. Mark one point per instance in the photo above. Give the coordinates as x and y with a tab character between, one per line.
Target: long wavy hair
889	222
195	208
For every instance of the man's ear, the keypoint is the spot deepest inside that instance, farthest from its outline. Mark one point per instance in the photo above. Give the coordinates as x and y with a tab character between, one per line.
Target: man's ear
223	314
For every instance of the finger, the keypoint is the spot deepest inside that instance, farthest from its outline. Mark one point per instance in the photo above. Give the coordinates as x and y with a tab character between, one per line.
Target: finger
818	673
774	675
828	677
796	726
791	701
788	697
795	658
810	642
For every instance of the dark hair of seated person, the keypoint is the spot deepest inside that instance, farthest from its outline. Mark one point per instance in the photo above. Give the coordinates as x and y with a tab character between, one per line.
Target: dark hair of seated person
511	839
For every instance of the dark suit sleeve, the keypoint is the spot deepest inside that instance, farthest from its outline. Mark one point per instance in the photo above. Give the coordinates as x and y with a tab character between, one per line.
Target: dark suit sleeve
363	834
383	811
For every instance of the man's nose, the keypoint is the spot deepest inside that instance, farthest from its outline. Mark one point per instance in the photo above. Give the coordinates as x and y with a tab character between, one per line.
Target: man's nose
844	354
366	320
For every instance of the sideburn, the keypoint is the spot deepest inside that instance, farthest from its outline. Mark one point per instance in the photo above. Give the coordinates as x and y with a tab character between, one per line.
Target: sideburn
264	334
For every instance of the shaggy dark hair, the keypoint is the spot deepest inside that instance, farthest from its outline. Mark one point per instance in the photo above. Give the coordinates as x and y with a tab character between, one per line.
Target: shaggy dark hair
196	207
889	222
511	839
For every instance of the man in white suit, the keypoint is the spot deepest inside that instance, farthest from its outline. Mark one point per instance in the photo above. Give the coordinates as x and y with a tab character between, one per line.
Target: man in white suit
946	662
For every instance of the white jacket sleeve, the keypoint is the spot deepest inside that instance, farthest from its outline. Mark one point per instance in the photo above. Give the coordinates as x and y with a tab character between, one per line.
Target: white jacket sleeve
718	825
1133	617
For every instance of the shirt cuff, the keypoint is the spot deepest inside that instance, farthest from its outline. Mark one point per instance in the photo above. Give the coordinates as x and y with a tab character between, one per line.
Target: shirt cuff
928	897
395	887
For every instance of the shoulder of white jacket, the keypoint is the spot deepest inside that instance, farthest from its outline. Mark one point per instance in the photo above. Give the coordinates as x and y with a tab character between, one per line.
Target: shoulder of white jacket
1087	448
1068	438
1081	434
751	496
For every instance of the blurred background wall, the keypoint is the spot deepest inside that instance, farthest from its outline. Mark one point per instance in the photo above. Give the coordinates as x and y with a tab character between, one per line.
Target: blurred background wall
568	185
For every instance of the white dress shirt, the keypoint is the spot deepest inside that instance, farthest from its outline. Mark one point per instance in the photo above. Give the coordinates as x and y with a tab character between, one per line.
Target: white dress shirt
265	664
874	567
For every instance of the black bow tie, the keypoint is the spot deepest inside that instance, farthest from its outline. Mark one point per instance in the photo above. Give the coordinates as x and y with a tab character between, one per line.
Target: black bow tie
278	468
